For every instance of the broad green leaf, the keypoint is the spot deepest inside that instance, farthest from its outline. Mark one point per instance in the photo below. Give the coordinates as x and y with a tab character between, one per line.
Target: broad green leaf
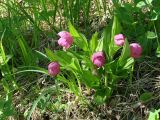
5	85
79	39
94	42
125	53
121	74
124	14
116	29
3	55
151	35
158	51
149	1
101	95
154	15
64	58
137	1
100	45
107	39
75	65
111	67
8	108
141	4
50	54
2	103
70	82
90	80
62	79
73	87
154	114
99	99
146	96
129	63
2	62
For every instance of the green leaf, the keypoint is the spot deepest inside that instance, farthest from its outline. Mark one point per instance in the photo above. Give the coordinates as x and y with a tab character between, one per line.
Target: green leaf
2	103
107	39
124	14
79	39
151	35
158	51
99	99
125	53
154	114
100	45
50	54
41	96
73	87
154	15
75	65
129	63
137	1
116	29
26	52
90	80
5	85
31	69
141	4
63	57
62	79
111	67
101	95
149	1
94	42
8	108
41	55
145	97
71	84
2	62
3	55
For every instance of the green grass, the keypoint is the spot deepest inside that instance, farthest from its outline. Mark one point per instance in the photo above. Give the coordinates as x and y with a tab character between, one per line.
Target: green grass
28	27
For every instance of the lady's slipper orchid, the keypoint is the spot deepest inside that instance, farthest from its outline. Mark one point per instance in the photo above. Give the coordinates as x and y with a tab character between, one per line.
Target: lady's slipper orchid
53	68
136	50
119	39
98	59
65	40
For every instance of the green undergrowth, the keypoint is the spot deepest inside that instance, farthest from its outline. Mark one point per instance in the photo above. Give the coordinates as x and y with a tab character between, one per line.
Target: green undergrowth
28	27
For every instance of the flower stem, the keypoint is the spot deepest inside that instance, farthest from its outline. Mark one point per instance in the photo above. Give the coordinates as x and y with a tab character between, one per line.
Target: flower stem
80	88
131	74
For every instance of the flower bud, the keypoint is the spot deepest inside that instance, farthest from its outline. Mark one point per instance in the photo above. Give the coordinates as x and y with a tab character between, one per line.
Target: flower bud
98	59
53	68
119	39
65	40
136	50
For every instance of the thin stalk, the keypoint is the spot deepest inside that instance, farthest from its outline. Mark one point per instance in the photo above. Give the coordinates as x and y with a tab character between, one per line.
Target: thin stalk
55	11
131	74
105	81
156	33
79	84
104	6
98	7
88	90
87	15
80	88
